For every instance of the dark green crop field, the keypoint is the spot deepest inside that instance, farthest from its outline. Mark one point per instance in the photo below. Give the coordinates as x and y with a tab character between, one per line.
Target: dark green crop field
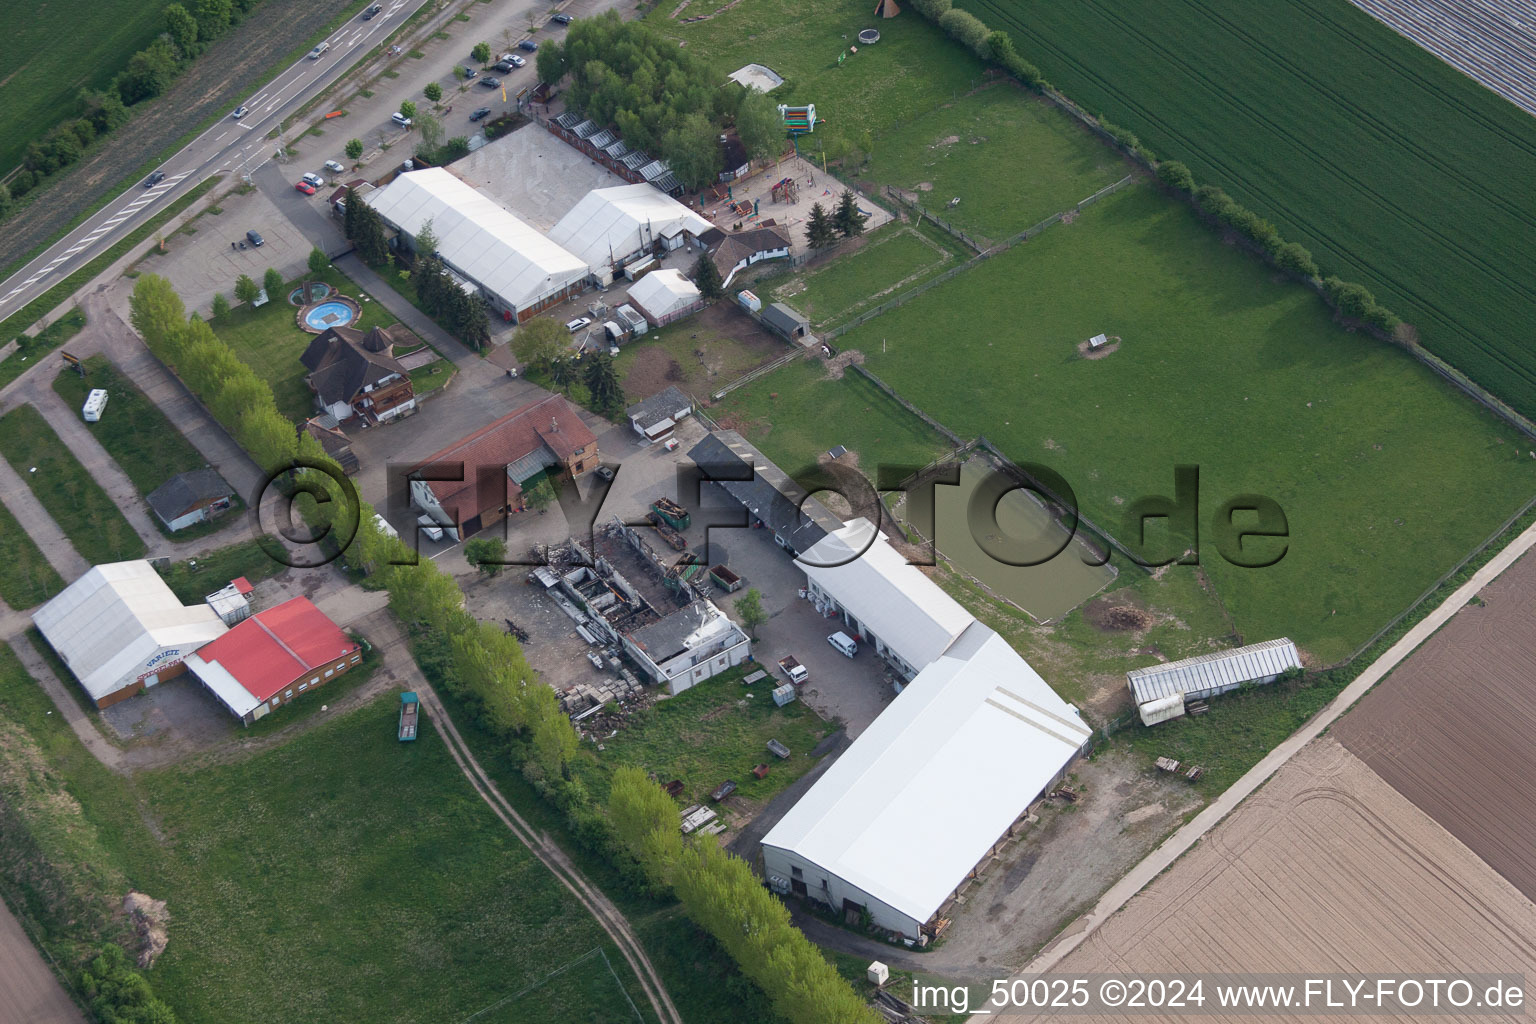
1395	169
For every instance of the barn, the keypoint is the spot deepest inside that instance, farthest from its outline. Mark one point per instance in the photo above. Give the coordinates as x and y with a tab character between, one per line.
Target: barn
272	657
120	629
611	226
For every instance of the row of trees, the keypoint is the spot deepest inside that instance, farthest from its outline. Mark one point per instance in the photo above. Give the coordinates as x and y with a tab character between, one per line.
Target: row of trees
845	221
1350	300
246	289
722	896
440	295
365	230
189	28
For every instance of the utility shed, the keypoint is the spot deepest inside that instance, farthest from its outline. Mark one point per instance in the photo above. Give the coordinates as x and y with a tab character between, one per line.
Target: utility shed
120	629
786	321
927	792
655	418
189	498
665	295
772	499
1210	674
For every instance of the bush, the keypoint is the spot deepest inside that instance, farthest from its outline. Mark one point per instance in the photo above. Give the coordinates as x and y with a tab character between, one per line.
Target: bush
933	10
968	30
1176	176
1294	258
354	148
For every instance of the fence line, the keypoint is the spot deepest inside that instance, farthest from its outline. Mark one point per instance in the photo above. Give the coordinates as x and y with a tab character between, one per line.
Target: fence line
752	375
922	213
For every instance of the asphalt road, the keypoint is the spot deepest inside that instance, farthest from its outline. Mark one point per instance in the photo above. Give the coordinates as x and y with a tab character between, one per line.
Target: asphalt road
229	147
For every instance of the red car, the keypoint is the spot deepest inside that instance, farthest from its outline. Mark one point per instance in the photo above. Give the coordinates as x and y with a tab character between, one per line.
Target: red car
306	188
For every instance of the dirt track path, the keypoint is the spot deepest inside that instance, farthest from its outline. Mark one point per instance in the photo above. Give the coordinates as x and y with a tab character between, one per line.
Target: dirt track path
32	994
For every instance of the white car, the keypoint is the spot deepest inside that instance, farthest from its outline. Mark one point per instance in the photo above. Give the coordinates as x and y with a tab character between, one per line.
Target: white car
314	179
575	325
318	50
400	119
334	167
430	528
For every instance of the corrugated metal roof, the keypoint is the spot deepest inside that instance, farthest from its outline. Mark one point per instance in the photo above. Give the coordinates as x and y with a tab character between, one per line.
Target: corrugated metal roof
586	130
603	139
568	120
635	159
1213	673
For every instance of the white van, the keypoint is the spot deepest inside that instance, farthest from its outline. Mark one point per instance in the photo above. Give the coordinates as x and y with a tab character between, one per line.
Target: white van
95	403
844	644
430	528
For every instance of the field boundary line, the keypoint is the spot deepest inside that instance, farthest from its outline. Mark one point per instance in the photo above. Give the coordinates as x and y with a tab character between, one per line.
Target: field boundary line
1181	841
589	954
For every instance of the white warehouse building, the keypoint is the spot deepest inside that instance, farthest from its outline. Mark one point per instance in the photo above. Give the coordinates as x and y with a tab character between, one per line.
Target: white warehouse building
610	226
517	268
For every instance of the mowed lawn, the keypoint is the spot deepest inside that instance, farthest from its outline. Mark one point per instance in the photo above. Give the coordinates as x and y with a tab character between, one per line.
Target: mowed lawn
1387	475
1394	168
26	577
268	339
896	255
1010	159
43	75
796	413
94	525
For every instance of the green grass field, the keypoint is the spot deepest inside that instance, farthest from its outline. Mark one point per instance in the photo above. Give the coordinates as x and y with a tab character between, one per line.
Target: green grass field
43	77
341	876
796	413
1387	475
896	257
26	577
269	341
1394	168
1009	157
85	513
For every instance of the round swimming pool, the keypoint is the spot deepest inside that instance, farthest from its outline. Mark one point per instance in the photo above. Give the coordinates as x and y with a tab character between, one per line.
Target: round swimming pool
321	316
317	291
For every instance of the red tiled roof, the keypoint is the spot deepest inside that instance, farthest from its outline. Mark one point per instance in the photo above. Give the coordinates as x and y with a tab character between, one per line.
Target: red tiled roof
550	422
242	584
272	649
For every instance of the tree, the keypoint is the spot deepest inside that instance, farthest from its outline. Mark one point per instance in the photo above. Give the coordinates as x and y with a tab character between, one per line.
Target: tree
182	28
433	92
759	125
819	232
408	109
431	130
220	305
640	811
692	150
933	10
603	384
213	17
968	30
481	52
245	288
707	276
847	218
354	148
318	261
1294	258
1176	176
272	281
750	607
561	373
487	554
367	233
540	342
551	63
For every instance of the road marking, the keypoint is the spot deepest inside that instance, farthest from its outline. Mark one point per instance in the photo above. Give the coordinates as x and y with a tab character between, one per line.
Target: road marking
221	136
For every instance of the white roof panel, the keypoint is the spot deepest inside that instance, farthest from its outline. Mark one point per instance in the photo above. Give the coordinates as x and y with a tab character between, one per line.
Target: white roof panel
900	605
224	685
1213	673
611	223
970	742
478	237
662	292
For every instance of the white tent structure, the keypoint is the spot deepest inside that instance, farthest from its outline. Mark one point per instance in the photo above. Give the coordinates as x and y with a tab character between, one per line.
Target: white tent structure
665	295
965	748
1209	674
611	225
884	600
120	629
517	267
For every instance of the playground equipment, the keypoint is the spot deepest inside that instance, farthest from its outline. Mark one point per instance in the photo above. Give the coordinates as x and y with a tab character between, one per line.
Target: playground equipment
799	120
786	191
869	36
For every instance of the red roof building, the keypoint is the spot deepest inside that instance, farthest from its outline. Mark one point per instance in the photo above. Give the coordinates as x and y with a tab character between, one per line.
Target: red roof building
272	657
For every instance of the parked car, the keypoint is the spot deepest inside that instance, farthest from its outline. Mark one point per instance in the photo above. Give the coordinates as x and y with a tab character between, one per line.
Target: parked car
561	19
240	112
318	50
469	72
400	119
515	60
481	114
430	528
305	187
491	83
603	473
255	238
154	179
313	178
528	44
334	166
575	325
504	66
370	12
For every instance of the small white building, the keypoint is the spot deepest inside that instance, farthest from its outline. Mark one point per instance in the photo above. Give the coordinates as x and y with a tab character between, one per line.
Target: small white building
120	630
1210	674
655	418
689	646
665	295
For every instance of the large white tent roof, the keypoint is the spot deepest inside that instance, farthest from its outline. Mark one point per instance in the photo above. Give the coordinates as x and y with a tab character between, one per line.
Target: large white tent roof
874	583
611	223
663	292
478	237
966	746
109	621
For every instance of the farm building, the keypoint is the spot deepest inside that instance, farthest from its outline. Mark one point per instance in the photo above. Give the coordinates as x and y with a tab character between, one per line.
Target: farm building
273	656
967	746
187	499
611	226
741	249
357	374
519	270
120	630
664	296
490	466
1210	674
771	498
785	321
656	417
688	646
882	600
